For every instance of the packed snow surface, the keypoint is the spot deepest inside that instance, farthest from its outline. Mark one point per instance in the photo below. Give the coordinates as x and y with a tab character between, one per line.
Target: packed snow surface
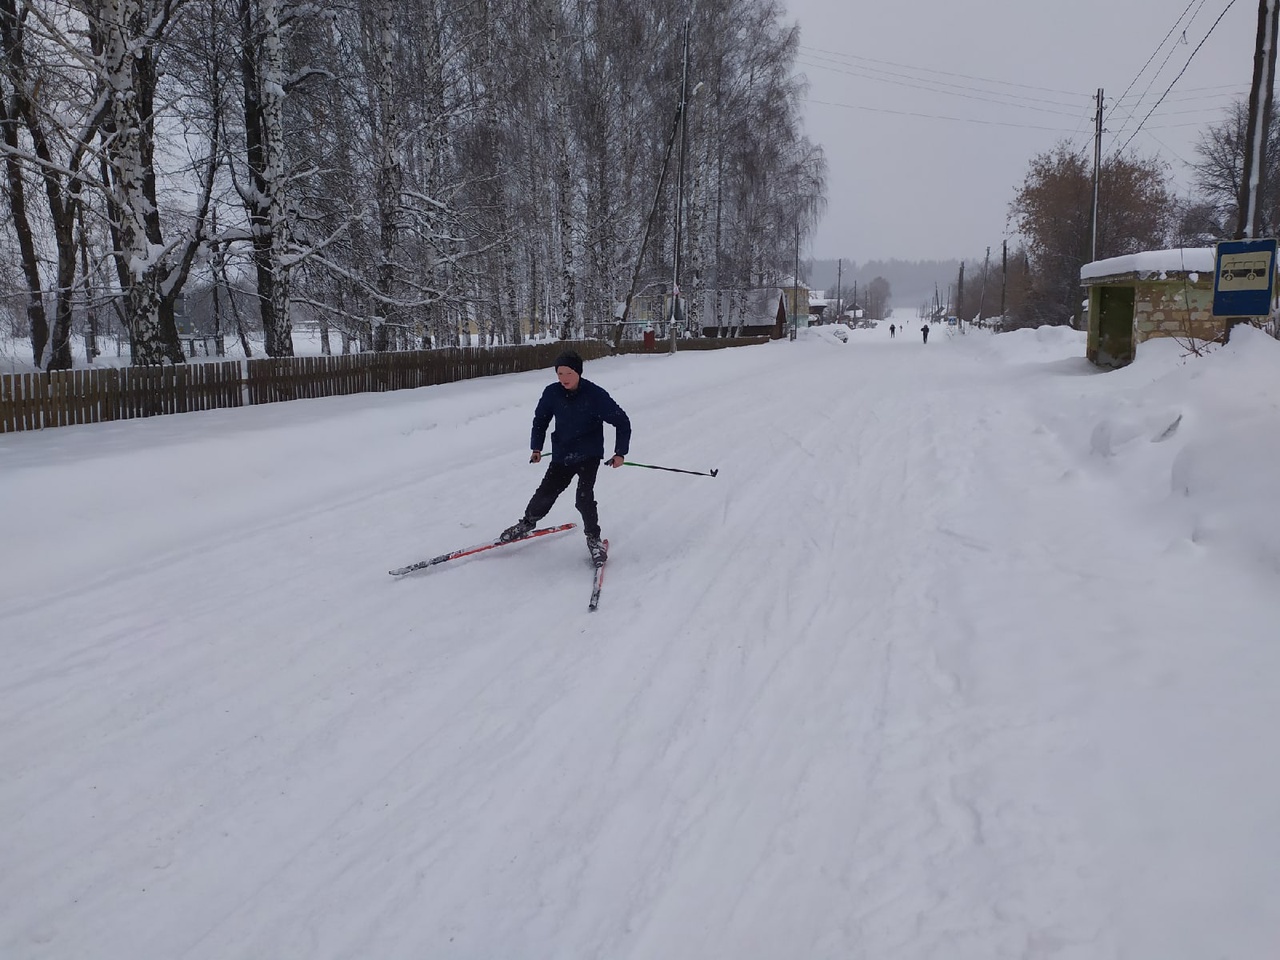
969	651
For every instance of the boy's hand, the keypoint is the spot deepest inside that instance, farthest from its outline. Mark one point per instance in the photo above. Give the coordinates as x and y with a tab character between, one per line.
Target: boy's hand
535	456
615	461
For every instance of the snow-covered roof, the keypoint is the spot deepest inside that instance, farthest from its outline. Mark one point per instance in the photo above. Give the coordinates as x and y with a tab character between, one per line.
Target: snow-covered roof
1152	262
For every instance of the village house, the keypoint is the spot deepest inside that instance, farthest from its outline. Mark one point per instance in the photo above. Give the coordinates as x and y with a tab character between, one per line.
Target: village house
762	312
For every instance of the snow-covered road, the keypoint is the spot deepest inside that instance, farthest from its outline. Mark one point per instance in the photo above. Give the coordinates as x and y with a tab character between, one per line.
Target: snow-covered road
915	677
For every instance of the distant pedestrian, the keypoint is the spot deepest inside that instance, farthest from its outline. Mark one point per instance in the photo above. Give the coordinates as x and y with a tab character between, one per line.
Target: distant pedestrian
924	332
892	331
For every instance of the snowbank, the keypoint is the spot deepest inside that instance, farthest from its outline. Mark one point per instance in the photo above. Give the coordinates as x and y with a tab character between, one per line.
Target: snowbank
836	333
1193	438
1036	345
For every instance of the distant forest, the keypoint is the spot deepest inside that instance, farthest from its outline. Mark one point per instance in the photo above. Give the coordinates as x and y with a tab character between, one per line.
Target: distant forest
911	282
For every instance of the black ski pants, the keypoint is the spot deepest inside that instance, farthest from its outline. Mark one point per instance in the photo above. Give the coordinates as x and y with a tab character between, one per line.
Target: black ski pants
556	480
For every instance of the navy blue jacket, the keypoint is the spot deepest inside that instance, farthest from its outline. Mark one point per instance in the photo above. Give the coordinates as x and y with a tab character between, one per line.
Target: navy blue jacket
580	418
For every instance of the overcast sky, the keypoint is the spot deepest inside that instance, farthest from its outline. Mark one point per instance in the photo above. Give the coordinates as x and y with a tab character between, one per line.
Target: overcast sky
903	182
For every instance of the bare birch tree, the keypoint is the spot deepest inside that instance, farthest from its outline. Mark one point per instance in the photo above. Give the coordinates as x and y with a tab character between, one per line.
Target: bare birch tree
265	193
45	136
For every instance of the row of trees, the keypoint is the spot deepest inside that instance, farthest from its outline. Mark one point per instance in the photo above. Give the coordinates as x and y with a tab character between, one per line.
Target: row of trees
1138	209
875	299
401	172
871	299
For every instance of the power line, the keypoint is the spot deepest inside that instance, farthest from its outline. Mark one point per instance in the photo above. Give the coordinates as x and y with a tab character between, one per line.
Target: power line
1176	126
1191	110
1168	149
1154	52
1163	63
935	86
1230	4
1224	90
944	73
933	116
944	91
1130	115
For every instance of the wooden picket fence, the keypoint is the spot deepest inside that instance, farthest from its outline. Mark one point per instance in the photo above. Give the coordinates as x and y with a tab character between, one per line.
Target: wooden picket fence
32	401
299	378
690	343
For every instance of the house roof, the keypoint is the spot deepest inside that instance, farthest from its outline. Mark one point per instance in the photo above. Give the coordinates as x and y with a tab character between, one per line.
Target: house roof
761	305
1152	264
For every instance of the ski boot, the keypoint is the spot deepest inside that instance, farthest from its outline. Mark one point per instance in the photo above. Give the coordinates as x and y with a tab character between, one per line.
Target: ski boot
597	550
517	531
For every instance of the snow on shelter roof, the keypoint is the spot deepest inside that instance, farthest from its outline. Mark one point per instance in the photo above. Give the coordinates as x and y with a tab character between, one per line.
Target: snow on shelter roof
1149	262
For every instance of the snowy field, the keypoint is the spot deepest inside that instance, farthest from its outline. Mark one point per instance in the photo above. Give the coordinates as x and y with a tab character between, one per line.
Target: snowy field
969	651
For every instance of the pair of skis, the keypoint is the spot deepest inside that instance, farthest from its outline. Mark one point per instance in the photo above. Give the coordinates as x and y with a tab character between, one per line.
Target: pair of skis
597	580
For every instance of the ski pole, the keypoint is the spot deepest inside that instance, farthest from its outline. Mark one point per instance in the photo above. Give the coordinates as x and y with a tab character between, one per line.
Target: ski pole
650	466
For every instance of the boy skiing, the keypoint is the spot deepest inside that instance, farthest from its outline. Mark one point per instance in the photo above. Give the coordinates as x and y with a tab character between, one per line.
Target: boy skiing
580	409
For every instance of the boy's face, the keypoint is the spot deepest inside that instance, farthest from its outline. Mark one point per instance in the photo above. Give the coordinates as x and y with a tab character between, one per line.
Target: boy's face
568	377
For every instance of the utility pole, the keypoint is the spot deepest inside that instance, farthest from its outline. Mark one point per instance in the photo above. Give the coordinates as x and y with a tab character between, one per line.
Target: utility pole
1097	164
795	291
676	312
620	326
982	297
1248	204
839	291
1004	274
1249	213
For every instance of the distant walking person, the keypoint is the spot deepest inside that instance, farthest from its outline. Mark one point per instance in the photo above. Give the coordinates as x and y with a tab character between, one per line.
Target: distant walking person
892	331
924	332
581	409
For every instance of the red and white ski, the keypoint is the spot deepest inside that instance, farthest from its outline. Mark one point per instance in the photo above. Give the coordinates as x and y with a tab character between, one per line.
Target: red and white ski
479	548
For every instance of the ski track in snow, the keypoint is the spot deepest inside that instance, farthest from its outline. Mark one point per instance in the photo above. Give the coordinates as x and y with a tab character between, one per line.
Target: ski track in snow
902	681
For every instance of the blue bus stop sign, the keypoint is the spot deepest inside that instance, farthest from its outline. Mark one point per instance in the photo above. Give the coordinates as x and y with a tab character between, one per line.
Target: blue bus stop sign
1244	278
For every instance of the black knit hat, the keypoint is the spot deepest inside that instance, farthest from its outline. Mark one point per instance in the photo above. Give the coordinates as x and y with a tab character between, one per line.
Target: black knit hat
571	360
